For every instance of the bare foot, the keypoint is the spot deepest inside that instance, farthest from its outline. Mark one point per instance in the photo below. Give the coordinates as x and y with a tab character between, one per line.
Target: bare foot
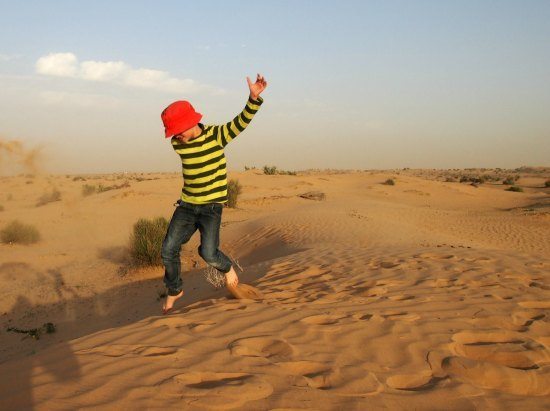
231	278
169	302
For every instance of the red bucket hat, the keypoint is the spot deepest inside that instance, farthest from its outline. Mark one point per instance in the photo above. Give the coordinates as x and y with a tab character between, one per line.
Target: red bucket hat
178	117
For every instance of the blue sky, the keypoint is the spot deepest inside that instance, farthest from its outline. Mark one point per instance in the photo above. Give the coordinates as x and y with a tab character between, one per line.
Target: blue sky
351	84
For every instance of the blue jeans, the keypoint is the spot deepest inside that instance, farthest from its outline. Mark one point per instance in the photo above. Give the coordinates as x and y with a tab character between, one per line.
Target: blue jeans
187	218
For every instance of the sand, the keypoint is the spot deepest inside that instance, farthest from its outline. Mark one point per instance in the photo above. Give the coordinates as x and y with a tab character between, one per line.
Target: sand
422	295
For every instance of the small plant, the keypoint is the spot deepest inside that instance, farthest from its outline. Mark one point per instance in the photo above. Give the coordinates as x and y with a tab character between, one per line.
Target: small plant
79	178
389	182
88	189
18	232
515	189
233	190
46	198
509	181
547	183
35	333
146	241
270	170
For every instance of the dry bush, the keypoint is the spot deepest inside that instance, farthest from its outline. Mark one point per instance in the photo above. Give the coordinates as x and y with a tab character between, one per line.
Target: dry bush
88	189
46	198
20	233
515	189
270	170
146	241
234	188
389	182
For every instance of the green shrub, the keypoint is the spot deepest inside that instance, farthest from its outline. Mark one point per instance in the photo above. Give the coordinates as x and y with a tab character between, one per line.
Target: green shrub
389	182
515	188
88	189
233	191
46	198
146	241
270	170
18	232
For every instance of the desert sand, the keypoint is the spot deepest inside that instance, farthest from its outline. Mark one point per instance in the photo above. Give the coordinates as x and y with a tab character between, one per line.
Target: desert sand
427	294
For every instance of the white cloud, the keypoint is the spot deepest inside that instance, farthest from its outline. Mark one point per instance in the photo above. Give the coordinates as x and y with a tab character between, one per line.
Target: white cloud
103	70
117	72
58	64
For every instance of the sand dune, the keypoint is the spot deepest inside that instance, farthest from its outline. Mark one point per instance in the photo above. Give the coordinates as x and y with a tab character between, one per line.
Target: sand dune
422	295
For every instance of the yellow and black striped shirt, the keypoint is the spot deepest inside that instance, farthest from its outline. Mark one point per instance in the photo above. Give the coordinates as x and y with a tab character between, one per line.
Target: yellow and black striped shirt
203	160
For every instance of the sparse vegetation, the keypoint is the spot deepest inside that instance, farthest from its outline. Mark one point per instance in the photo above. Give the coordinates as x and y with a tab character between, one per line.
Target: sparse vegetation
88	189
101	188
35	333
389	182
246	168
20	233
515	188
46	198
146	241
270	170
234	188
78	178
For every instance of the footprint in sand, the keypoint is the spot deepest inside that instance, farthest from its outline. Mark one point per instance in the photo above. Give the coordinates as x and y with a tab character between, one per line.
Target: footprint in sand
216	390
502	348
412	382
261	346
435	256
322	319
348	380
200	326
498	377
535	304
131	350
401	297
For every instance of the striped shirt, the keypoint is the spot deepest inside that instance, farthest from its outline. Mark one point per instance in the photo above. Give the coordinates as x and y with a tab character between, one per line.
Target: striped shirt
203	159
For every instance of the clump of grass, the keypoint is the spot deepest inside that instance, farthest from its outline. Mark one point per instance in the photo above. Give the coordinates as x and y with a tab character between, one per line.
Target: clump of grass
88	189
146	241
547	183
20	233
389	182
101	188
46	198
289	173
79	178
515	188
510	180
35	333
246	168
234	188
270	170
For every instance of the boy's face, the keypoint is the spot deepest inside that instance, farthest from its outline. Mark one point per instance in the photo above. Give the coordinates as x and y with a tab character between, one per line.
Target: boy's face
186	135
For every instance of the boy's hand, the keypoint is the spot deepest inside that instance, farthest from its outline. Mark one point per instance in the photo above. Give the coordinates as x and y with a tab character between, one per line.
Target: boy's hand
257	87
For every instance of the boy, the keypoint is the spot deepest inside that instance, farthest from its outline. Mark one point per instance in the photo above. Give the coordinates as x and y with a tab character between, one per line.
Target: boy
204	193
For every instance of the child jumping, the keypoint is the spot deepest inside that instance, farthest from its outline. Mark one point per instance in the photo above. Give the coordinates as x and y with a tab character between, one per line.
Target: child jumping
204	192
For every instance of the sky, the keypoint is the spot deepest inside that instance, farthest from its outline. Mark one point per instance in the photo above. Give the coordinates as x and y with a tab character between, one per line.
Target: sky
351	84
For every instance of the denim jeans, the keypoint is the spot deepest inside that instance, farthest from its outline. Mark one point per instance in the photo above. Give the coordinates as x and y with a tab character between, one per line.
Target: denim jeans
187	218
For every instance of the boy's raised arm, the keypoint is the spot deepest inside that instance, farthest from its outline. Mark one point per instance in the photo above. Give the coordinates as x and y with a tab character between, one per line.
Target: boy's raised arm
232	129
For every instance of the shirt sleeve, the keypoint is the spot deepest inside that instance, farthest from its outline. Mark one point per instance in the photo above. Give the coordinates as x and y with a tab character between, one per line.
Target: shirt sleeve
232	129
